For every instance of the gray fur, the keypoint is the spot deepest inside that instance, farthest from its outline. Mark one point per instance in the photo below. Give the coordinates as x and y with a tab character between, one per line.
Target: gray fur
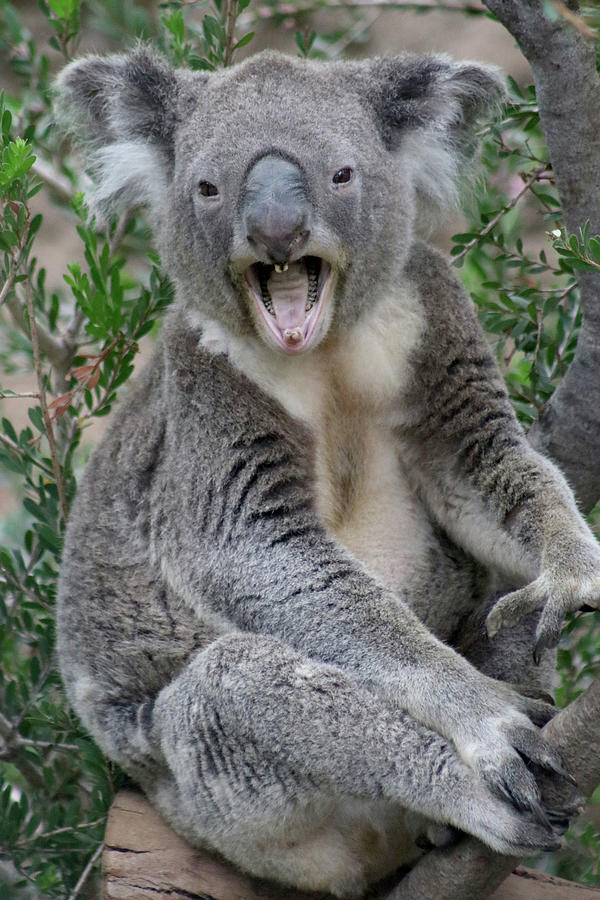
278	696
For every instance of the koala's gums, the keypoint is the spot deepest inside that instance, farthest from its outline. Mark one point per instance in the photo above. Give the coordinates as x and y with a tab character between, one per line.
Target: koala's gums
317	489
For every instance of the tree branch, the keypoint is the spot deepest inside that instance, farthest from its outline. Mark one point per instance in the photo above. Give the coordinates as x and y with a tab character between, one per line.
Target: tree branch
563	61
37	360
53	348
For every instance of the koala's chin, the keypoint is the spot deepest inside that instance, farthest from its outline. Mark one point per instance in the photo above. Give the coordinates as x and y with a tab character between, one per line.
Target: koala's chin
291	302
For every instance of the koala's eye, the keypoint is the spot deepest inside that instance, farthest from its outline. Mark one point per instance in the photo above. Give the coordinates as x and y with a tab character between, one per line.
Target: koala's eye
343	176
207	189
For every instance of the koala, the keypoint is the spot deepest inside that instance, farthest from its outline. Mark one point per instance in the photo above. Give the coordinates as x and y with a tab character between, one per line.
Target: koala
307	565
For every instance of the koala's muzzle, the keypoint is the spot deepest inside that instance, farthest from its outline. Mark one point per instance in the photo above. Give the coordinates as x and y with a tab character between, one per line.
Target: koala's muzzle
276	210
289	290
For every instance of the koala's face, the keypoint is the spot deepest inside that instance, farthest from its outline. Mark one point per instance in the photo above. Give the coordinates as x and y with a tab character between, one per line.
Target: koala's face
284	193
288	202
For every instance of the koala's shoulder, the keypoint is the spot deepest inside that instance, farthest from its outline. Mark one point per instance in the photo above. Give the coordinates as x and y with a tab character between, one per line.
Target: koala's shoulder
439	285
442	295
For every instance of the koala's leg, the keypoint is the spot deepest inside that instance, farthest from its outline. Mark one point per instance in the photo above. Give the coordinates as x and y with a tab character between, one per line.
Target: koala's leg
291	770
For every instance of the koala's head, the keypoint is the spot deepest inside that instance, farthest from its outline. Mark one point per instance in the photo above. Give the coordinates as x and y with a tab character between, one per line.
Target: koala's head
284	193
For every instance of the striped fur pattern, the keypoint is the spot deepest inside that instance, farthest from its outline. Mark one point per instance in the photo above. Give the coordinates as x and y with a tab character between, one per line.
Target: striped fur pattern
272	559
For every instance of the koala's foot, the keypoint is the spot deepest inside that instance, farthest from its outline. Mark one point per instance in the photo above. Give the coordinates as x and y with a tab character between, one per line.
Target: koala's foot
428	834
508	830
506	750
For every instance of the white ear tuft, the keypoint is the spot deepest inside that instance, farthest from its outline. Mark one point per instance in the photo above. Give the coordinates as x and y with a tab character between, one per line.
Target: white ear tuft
127	174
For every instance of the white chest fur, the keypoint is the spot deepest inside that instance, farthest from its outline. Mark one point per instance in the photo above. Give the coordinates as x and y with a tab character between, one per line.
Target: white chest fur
348	393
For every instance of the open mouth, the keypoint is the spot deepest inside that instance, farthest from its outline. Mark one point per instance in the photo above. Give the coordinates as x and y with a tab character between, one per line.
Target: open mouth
291	299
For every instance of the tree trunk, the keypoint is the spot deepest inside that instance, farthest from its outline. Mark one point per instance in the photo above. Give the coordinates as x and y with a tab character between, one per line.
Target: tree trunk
563	62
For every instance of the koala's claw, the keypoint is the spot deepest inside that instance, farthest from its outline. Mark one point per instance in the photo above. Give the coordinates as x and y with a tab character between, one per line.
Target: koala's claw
539	814
560	824
561	770
531	744
539	711
514	782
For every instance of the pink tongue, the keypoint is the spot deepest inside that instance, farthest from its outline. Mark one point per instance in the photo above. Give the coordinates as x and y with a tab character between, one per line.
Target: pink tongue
288	292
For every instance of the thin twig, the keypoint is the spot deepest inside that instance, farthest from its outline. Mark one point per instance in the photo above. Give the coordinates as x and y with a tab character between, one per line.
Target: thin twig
64	401
87	871
48	745
66	828
531	179
50	346
17	586
54	180
21	452
37	361
20	395
461	6
7	286
578	22
33	695
230	20
16	259
364	23
113	245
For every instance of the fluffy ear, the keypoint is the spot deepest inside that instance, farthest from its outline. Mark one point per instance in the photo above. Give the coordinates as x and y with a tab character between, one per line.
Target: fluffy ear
122	110
427	108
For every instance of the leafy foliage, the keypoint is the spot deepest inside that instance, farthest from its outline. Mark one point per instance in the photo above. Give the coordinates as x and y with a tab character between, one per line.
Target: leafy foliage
55	786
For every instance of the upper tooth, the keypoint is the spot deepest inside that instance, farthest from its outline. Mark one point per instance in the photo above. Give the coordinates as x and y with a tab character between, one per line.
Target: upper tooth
281	267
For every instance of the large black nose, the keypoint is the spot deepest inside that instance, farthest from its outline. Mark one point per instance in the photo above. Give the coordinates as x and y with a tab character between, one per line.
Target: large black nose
276	209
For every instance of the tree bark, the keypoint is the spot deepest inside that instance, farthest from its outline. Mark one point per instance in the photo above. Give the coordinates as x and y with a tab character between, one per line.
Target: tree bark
563	62
145	860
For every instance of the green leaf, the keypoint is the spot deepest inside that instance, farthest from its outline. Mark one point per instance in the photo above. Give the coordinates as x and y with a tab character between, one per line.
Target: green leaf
16	161
65	9
245	40
175	24
35	417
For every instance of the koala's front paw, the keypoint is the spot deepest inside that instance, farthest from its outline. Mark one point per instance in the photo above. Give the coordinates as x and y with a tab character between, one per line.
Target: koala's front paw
570	579
501	737
505	829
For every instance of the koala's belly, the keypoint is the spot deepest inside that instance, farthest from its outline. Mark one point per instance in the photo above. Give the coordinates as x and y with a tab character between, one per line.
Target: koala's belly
365	498
335	845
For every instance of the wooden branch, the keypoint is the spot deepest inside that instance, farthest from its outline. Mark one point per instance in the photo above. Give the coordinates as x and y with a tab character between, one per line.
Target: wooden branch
144	858
563	62
37	362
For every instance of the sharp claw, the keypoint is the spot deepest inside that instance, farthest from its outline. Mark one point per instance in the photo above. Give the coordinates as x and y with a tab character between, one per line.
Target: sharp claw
537	657
540	815
507	794
560	825
560	769
555	845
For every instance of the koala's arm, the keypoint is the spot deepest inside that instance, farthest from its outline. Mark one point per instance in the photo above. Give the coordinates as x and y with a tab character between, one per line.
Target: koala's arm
493	493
